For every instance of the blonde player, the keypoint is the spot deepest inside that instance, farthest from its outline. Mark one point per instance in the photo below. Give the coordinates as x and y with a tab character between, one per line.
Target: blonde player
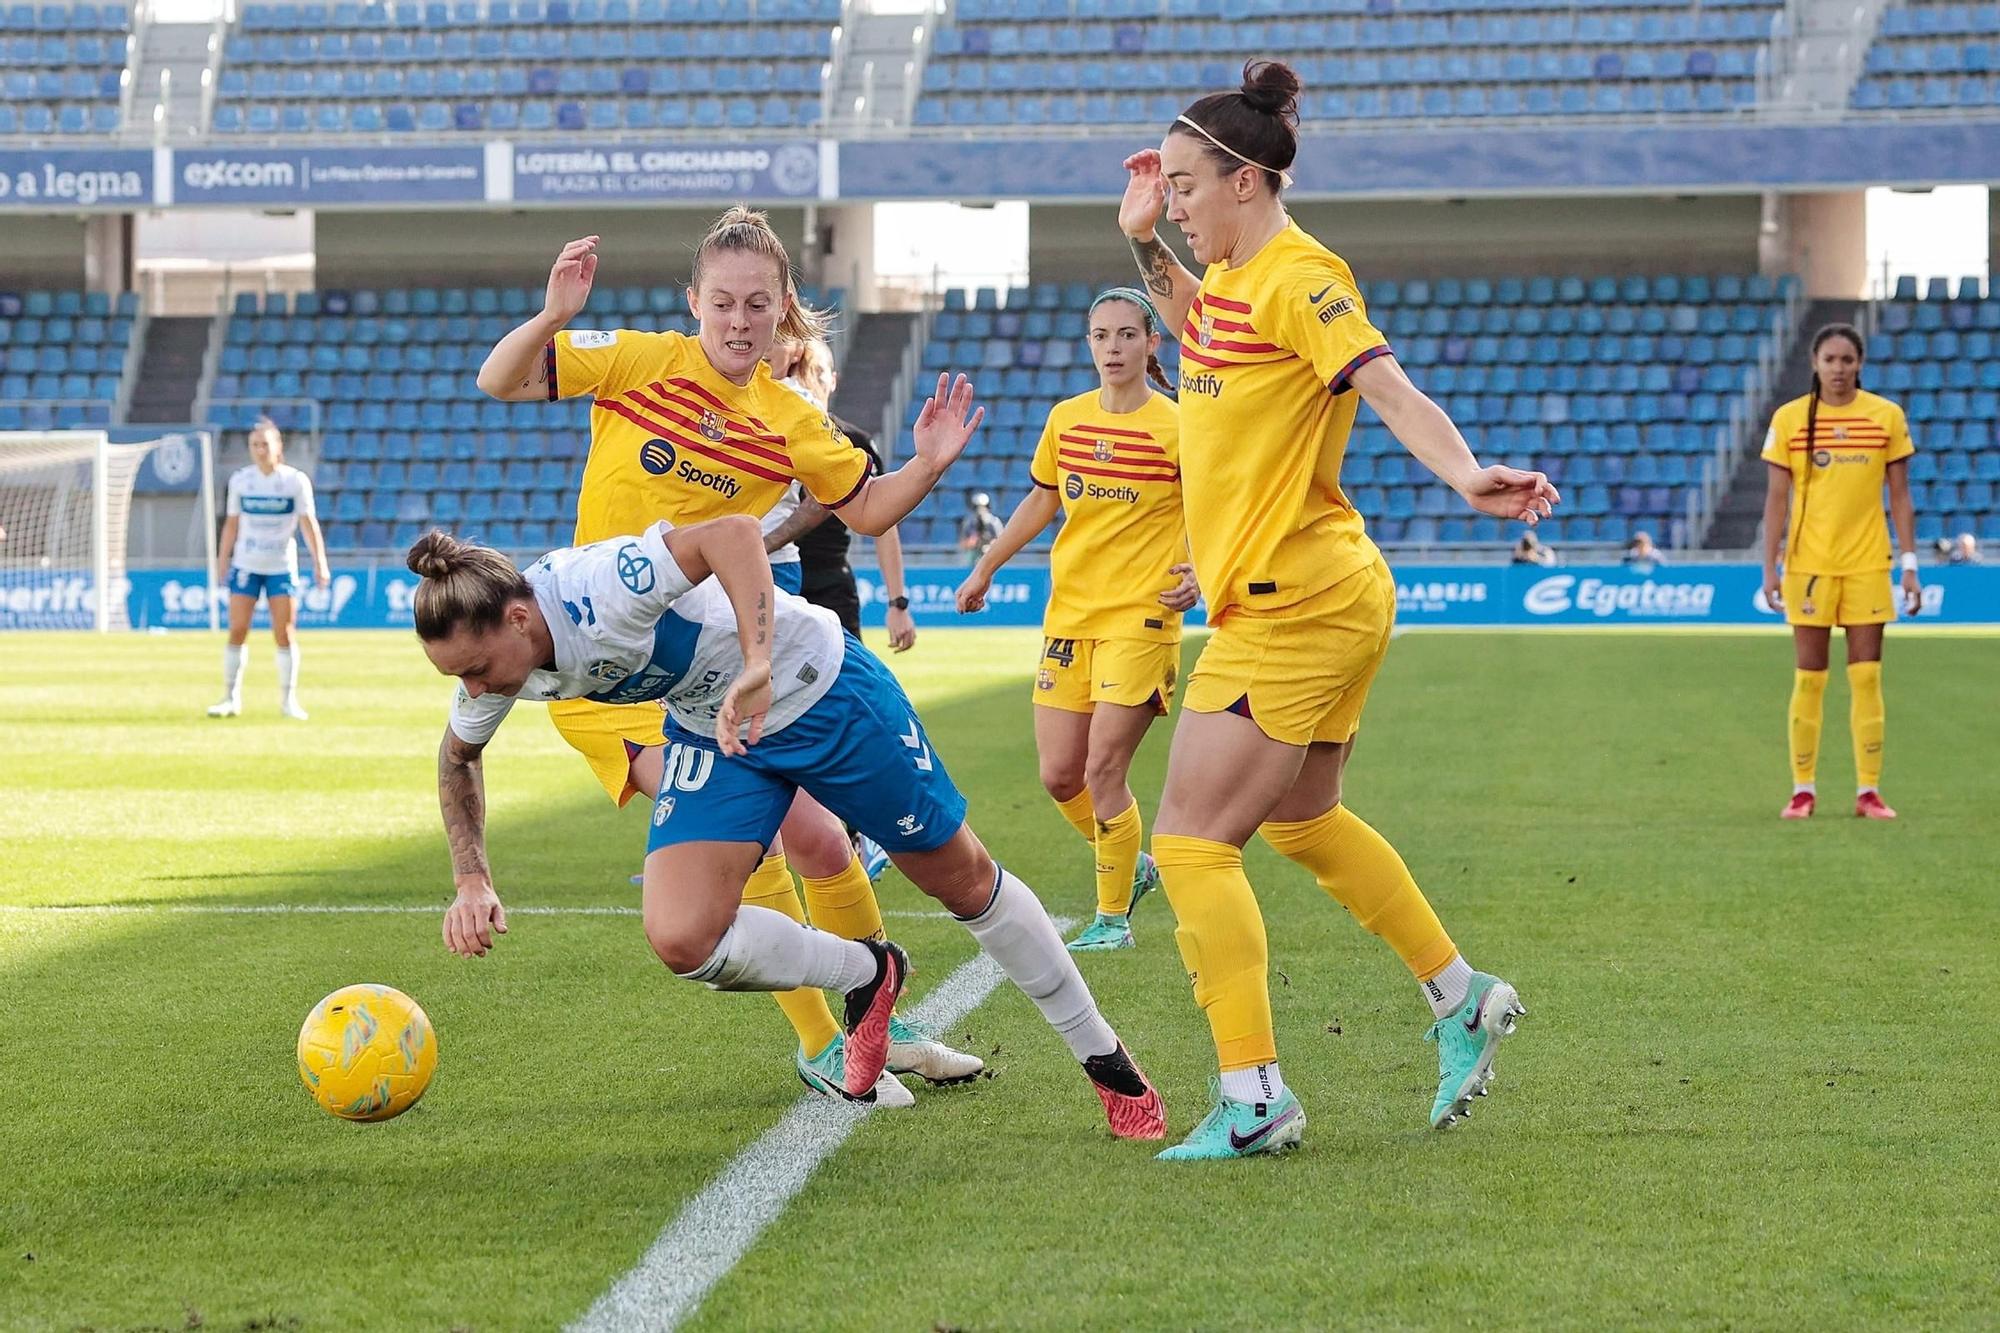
1276	352
1109	462
270	503
691	428
1830	453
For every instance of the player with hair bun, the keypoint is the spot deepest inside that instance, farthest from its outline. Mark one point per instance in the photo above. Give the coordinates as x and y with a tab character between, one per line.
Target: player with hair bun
1276	354
764	695
1119	581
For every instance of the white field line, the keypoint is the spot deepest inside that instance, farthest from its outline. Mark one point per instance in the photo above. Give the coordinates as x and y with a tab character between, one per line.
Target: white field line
718	1226
343	909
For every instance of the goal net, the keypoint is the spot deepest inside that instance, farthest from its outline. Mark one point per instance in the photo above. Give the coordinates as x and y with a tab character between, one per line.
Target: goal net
65	510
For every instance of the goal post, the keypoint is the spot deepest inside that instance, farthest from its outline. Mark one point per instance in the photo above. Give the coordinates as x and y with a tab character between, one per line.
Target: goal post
65	523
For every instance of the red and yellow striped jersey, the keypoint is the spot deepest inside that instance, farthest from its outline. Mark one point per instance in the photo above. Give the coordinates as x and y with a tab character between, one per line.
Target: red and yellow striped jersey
1837	525
672	439
1119	478
1266	410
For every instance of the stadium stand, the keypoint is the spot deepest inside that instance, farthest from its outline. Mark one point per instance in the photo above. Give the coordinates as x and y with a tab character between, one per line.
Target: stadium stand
1934	353
1932	56
60	69
1037	62
407	441
1616	387
61	357
525	66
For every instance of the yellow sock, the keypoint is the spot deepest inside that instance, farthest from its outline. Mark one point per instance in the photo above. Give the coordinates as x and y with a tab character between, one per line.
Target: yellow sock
1080	816
1222	942
1808	701
1362	872
770	885
1117	858
844	904
1865	717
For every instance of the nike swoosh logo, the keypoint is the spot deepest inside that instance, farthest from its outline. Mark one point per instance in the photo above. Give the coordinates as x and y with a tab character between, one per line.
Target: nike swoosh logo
1107	684
1243	1141
1320	295
1477	1010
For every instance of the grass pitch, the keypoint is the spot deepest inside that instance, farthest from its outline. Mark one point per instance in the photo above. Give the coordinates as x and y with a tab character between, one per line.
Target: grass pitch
1750	1092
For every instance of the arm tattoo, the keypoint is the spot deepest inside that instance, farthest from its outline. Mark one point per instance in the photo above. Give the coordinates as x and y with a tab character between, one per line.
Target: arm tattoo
763	618
1156	265
809	515
462	798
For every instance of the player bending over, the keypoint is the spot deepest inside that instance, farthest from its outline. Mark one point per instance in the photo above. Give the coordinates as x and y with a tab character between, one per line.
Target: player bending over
765	695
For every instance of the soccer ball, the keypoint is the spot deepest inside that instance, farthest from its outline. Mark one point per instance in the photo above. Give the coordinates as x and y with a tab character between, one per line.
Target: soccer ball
367	1053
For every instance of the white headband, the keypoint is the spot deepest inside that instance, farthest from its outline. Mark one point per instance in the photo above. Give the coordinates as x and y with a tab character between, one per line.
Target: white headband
1284	176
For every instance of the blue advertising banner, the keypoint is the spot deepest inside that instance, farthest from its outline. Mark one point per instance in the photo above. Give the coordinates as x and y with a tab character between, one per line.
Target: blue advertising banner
613	172
309	176
1461	158
371	596
62	178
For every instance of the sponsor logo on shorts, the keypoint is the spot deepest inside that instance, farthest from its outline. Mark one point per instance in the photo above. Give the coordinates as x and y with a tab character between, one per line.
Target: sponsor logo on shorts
663	810
909	826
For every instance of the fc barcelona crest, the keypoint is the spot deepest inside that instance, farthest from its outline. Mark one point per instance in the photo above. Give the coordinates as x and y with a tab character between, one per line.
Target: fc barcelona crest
711	425
1205	333
1102	453
1045	679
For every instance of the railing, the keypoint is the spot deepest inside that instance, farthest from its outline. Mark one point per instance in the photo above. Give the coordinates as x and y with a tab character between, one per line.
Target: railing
128	373
1746	413
835	68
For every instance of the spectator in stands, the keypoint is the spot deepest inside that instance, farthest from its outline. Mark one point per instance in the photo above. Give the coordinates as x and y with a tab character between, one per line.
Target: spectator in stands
1830	454
1641	551
1965	550
1530	551
269	504
981	526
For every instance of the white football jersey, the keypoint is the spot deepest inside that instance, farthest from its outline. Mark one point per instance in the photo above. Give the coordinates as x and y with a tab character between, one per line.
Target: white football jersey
267	510
628	628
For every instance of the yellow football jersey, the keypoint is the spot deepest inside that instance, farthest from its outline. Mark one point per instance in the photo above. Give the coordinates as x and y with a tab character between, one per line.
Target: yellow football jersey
1837	524
1119	478
1266	408
671	439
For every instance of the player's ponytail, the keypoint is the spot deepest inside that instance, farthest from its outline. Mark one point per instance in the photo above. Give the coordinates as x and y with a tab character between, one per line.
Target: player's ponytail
747	231
465	585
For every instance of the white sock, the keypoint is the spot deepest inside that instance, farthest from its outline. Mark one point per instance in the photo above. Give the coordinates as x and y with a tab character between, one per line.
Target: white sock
288	671
233	657
1863	791
766	950
1258	1083
1016	933
1447	990
1806	787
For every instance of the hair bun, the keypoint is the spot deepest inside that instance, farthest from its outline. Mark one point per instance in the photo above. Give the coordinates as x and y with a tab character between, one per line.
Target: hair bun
1271	87
436	555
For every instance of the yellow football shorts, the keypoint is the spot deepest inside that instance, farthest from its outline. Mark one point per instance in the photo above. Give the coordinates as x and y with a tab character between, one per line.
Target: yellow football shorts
601	733
1077	674
1826	600
1302	676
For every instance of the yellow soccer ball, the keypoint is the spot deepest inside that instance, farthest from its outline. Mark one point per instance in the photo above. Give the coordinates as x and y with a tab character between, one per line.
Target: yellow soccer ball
367	1053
